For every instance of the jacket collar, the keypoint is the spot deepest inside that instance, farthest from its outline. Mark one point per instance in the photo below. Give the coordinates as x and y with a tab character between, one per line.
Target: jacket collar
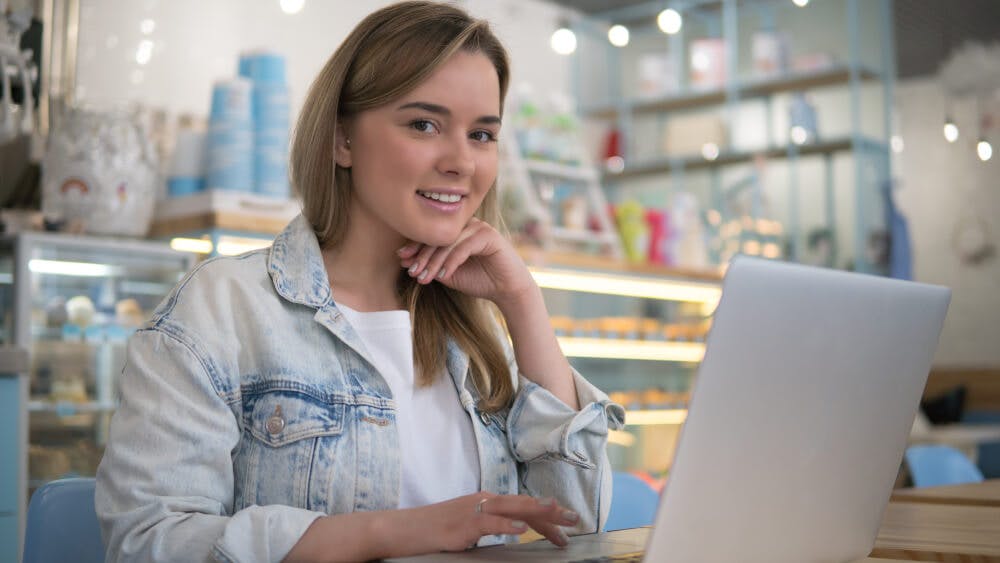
295	265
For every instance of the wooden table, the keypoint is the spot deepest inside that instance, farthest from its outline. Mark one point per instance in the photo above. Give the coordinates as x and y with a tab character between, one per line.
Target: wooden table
918	531
986	493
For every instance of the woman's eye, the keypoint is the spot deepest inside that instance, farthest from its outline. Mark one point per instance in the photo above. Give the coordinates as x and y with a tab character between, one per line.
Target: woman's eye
423	126
484	136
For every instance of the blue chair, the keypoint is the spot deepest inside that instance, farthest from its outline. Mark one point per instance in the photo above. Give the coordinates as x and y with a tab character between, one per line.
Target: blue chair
62	524
933	465
633	503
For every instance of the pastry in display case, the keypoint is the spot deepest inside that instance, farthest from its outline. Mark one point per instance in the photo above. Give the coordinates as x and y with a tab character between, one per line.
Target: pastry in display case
72	301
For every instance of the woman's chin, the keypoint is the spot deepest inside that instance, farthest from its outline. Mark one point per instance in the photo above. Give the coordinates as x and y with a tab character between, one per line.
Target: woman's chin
436	239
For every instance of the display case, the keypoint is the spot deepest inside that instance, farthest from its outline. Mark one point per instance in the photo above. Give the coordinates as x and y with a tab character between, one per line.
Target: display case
638	333
72	302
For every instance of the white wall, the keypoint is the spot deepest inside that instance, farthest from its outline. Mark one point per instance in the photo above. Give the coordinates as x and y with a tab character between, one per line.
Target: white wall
941	184
198	42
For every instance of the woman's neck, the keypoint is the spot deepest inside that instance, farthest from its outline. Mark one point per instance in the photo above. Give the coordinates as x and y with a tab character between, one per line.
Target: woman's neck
363	270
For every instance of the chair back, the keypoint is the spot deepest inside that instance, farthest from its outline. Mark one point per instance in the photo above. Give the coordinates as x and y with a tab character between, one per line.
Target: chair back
633	503
62	524
934	465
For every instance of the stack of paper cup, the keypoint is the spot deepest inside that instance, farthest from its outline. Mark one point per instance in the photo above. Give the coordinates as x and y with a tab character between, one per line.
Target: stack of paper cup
271	121
231	137
187	165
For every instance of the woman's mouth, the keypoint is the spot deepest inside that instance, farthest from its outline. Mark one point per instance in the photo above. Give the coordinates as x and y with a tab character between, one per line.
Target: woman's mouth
442	197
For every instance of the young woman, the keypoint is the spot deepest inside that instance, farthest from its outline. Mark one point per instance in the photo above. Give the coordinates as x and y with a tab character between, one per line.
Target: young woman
348	393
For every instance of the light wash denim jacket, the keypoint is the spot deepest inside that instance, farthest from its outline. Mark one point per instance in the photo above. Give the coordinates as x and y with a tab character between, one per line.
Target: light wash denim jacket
249	408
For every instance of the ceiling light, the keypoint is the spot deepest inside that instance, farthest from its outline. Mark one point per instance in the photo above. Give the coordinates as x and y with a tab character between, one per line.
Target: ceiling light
669	21
292	6
618	35
563	41
799	135
950	130
710	151
801	3
896	142
984	149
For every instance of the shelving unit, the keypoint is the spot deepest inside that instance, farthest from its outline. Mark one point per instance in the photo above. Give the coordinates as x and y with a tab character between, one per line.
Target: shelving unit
851	207
528	176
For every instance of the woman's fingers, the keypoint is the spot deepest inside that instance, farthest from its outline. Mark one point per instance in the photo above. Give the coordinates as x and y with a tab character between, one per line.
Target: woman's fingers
491	524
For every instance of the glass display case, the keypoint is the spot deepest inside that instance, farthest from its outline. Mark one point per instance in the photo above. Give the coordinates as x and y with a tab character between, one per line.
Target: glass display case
72	302
638	333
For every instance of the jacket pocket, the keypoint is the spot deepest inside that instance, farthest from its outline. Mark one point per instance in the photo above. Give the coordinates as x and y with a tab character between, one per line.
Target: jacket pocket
280	418
289	452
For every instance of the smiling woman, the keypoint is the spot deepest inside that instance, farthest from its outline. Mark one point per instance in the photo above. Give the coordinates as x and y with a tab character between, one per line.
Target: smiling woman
349	394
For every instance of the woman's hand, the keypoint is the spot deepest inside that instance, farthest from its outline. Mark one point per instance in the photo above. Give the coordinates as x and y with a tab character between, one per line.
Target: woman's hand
453	525
481	263
458	524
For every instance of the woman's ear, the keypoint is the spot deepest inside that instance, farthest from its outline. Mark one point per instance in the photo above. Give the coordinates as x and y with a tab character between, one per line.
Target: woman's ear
342	147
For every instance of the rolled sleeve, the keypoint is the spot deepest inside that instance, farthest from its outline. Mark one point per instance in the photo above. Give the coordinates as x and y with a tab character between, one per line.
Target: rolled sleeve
165	486
562	451
542	425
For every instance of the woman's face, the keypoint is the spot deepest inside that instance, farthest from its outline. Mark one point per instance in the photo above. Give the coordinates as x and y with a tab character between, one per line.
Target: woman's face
421	165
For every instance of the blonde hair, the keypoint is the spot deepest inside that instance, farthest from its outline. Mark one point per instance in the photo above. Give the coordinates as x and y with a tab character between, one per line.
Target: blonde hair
387	55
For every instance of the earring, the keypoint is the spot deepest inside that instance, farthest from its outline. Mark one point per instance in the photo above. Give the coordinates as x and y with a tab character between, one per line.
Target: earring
348	142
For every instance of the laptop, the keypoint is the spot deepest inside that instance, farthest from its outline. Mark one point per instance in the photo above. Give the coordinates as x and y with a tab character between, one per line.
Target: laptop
798	421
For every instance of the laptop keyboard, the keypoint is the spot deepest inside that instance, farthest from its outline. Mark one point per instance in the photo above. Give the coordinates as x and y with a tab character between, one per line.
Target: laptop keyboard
635	557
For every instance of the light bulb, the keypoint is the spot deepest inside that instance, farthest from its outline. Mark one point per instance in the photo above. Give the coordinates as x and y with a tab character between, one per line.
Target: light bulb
710	151
984	149
563	41
144	52
292	6
950	130
615	164
618	35
669	21
896	143
799	135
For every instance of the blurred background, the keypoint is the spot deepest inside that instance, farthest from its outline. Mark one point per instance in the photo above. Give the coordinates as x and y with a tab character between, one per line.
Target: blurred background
645	144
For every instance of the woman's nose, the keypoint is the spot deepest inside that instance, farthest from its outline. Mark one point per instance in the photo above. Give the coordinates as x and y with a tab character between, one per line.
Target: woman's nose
456	158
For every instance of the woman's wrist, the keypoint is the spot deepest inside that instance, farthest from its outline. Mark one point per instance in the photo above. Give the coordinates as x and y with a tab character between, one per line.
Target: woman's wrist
516	303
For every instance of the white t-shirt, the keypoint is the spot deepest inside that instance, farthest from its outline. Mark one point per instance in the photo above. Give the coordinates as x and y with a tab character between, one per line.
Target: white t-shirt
437	444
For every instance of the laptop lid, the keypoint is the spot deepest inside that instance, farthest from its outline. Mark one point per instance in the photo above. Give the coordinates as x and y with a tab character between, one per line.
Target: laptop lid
799	417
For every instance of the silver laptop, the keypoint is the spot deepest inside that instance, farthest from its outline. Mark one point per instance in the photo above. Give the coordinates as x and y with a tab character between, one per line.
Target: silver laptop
797	425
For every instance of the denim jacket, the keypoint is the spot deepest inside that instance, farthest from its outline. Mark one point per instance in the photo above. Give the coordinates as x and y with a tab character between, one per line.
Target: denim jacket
249	408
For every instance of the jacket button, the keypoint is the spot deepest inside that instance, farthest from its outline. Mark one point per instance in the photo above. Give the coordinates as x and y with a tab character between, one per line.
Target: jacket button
276	423
483	416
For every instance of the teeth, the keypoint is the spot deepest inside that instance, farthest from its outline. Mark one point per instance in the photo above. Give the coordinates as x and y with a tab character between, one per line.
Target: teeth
446	198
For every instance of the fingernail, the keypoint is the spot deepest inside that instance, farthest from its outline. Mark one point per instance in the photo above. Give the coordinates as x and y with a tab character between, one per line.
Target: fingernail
547	501
570	515
413	269
440	275
518	524
404	250
423	275
562	536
